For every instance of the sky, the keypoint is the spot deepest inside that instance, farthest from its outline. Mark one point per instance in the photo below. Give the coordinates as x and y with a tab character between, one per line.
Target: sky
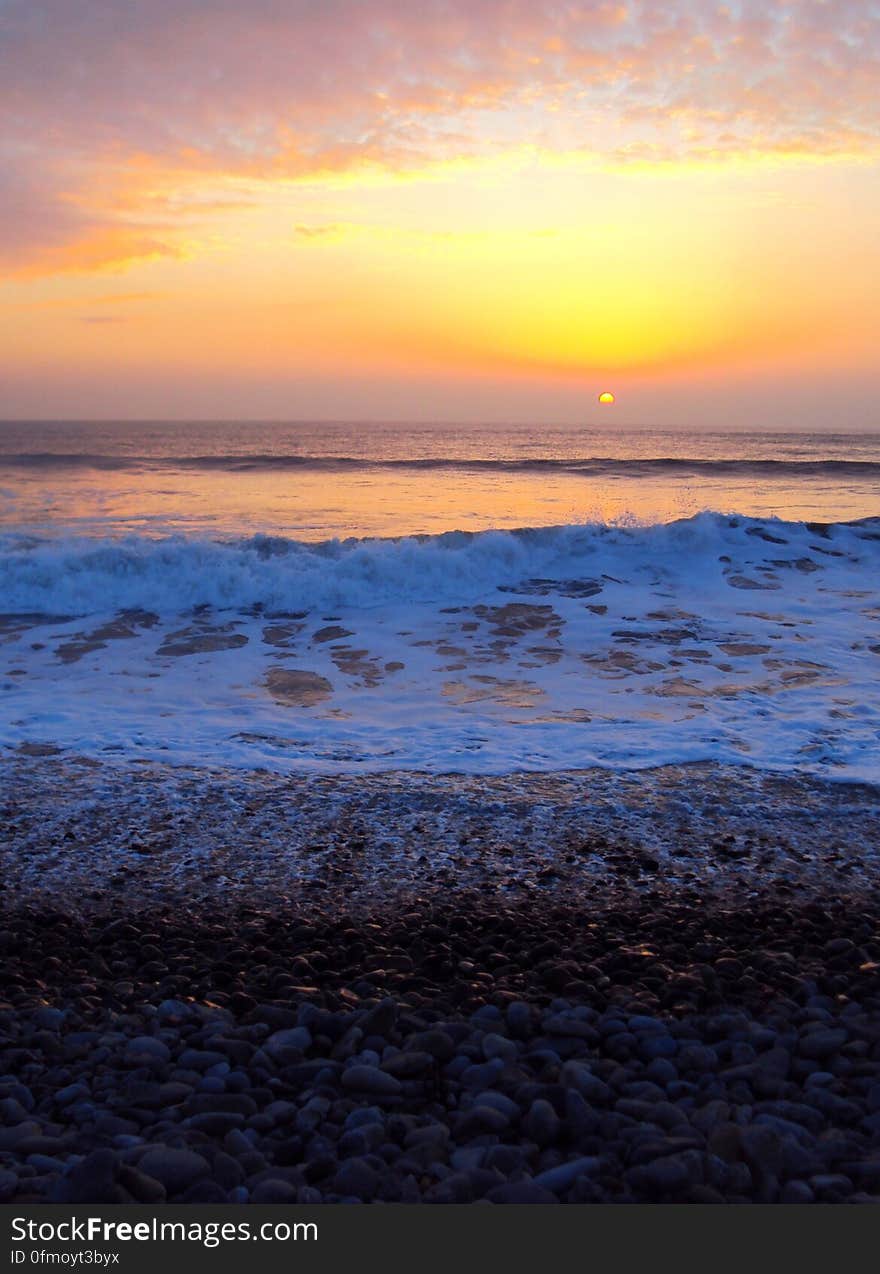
457	210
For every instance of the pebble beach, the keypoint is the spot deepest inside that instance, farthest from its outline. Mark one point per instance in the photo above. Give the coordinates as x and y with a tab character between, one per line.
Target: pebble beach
585	987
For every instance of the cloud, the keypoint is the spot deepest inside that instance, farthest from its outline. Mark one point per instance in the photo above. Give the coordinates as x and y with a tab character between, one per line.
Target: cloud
49	224
118	115
317	233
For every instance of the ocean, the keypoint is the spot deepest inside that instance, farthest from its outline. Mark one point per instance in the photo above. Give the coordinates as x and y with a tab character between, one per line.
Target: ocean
474	599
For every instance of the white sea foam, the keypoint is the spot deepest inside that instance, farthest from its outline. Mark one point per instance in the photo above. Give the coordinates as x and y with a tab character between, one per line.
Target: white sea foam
714	637
83	576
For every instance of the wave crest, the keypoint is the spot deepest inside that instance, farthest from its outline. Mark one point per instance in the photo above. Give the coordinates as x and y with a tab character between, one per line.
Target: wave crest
87	576
586	466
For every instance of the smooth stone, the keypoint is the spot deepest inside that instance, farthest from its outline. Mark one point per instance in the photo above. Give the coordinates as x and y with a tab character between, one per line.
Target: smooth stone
407	1065
498	1101
541	1124
579	1076
49	1019
519	1019
435	1042
198	1059
508	1160
176	1169
364	1115
12	1138
370	1079
563	1176
92	1180
499	1046
670	1174
796	1192
175	1011
296	1038
216	1123
822	1043
356	1177
143	1188
233	1103
482	1074
478	1121
274	1190
146	1048
380	1019
12	1111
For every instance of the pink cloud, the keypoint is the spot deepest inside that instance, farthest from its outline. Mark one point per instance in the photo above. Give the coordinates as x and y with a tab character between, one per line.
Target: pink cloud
290	86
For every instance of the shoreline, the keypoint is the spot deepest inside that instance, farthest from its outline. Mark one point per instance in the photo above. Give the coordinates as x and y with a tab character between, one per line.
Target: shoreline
94	836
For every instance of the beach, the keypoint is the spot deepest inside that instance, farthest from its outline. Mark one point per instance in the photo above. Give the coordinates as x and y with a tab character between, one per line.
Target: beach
228	987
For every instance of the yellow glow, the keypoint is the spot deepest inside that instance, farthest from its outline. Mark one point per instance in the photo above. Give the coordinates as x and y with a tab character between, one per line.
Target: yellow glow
606	397
529	267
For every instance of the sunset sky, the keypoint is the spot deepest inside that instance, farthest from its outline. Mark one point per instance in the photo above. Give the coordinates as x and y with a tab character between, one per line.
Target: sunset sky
477	209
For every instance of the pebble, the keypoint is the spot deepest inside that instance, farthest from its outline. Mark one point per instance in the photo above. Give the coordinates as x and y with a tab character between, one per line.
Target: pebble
669	1175
369	1079
526	1058
142	1188
272	1190
357	1177
296	1039
519	1019
407	1065
822	1044
176	1169
380	1020
92	1180
497	1046
541	1124
146	1049
479	1120
564	1175
435	1042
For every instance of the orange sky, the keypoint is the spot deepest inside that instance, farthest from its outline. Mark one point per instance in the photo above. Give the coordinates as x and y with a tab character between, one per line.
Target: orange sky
486	210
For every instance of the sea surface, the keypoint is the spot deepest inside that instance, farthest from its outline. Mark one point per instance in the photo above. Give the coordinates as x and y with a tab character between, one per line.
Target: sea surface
474	598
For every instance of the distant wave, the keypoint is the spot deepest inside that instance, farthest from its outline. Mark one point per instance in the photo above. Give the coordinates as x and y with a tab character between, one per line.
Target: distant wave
588	466
81	575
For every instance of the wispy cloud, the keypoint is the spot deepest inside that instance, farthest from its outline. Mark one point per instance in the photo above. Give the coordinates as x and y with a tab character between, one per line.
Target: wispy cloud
317	233
120	117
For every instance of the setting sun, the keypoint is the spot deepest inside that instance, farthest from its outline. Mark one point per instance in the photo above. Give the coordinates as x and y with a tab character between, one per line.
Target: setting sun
607	397
411	220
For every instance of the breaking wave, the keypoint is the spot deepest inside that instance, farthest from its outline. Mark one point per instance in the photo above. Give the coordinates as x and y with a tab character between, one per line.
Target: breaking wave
79	575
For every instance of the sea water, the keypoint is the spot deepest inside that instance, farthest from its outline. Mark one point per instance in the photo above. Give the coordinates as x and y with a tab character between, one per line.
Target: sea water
452	598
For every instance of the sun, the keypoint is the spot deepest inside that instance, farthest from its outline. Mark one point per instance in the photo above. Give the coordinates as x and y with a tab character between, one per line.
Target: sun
606	397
